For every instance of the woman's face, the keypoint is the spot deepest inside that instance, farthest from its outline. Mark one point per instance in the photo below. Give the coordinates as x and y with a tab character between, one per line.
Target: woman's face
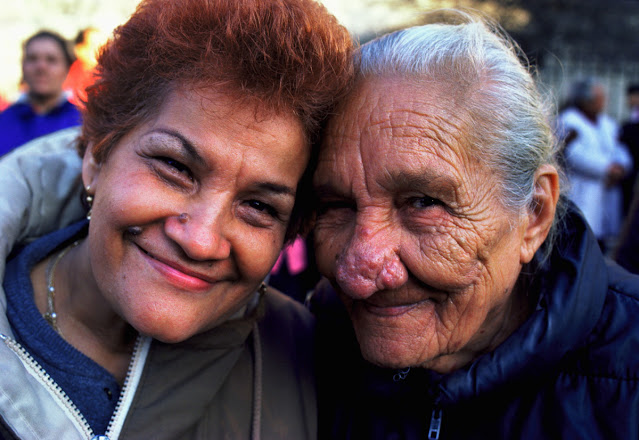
410	231
190	211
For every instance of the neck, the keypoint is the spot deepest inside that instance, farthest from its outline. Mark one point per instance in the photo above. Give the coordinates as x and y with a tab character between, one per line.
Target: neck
590	115
43	103
85	318
500	323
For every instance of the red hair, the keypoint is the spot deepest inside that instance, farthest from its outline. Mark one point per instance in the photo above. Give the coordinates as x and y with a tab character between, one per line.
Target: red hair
292	55
288	55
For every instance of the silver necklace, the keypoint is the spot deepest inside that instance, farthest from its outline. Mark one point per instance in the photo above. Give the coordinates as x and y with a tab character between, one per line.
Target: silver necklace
51	316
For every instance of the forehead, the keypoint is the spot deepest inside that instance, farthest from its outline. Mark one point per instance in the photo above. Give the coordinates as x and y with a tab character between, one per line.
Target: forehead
204	111
44	44
403	121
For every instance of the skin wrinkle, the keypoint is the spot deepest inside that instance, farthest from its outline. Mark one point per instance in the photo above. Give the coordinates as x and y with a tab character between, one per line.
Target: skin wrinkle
451	264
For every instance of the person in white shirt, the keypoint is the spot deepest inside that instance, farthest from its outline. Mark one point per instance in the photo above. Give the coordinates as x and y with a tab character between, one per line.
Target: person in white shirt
595	159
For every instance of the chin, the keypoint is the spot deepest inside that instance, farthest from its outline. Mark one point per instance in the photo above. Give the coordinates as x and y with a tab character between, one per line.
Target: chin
167	331
170	338
388	354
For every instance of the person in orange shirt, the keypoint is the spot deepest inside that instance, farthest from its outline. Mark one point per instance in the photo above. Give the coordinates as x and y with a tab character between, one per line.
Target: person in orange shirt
81	72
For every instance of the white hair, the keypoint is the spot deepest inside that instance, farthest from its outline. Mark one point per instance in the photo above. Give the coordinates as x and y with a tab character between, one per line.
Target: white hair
490	80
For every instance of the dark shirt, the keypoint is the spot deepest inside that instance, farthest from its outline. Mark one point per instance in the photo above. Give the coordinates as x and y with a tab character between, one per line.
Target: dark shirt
89	386
20	124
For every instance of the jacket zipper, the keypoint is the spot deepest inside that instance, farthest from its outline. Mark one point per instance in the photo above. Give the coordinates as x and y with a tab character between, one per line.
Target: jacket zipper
116	423
435	424
48	382
133	374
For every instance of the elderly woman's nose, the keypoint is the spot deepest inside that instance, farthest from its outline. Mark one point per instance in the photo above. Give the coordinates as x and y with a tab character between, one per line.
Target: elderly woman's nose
370	263
201	235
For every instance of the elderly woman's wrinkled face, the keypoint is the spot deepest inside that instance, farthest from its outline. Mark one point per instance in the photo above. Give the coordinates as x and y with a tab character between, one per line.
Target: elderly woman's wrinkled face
410	231
190	211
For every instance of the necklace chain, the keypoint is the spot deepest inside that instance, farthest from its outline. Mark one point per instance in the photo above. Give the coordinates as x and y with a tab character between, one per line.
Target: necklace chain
51	316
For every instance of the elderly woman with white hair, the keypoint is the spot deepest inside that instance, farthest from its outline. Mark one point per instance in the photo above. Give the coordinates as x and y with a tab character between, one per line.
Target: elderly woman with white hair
480	305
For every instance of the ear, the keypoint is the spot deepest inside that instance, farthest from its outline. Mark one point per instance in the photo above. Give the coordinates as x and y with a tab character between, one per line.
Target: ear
90	169
541	215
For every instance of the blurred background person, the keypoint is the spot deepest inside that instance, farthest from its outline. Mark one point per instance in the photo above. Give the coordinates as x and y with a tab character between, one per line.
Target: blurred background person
595	160
626	254
295	272
630	138
81	73
3	103
44	107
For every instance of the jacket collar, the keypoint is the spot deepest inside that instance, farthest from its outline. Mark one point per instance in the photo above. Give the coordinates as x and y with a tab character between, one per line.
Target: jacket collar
572	288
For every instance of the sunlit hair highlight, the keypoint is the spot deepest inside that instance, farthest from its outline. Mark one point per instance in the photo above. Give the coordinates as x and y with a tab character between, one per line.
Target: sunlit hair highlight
288	56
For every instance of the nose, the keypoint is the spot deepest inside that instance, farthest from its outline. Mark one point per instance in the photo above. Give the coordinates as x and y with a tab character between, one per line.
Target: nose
371	262
200	233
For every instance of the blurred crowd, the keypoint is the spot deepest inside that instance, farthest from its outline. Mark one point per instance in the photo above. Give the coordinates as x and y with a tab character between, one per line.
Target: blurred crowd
601	158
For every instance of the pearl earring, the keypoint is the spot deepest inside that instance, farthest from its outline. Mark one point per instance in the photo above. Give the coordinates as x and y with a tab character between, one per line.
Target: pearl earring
89	200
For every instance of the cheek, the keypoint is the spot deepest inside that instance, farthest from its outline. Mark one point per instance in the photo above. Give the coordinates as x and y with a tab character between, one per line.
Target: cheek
134	198
255	254
446	257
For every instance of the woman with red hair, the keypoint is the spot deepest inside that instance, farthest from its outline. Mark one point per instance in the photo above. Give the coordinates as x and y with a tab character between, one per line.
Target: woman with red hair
150	318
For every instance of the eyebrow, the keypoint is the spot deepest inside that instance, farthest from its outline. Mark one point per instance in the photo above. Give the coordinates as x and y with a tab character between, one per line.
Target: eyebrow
190	149
186	144
422	179
276	188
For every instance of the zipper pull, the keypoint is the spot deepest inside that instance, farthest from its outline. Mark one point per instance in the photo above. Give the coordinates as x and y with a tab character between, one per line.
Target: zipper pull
401	374
435	424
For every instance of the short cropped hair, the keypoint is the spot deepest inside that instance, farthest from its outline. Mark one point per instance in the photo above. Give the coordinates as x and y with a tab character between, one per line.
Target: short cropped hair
582	91
57	38
490	80
286	55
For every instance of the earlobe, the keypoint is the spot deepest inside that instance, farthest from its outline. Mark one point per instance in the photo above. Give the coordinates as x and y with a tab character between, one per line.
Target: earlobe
542	214
90	168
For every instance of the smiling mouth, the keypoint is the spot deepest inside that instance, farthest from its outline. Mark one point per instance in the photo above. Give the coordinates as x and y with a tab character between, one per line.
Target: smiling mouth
390	310
177	275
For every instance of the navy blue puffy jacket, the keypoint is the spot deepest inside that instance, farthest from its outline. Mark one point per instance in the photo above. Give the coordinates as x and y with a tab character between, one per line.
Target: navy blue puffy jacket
569	372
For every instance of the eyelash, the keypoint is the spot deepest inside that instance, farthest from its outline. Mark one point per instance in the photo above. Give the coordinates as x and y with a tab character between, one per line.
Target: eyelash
429	202
176	166
261	206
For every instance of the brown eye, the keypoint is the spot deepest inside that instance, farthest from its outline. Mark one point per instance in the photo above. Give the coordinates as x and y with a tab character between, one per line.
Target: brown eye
177	166
424	202
263	207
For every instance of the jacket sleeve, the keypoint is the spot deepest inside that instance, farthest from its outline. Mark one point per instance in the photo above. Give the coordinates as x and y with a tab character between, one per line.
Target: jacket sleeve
41	189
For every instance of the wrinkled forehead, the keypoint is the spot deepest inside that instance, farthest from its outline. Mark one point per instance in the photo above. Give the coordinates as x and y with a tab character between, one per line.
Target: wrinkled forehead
397	117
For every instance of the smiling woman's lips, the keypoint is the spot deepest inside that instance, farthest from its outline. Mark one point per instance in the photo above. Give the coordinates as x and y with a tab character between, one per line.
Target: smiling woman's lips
175	276
389	310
